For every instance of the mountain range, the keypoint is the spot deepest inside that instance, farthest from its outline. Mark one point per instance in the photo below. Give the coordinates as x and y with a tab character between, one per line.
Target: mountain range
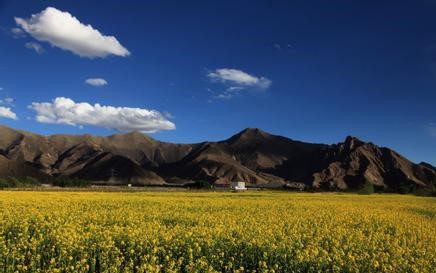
256	157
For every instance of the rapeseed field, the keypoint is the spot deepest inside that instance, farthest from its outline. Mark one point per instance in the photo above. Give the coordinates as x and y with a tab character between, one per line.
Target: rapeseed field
215	232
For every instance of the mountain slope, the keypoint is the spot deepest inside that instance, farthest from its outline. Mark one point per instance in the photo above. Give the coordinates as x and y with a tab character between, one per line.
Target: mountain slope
11	168
253	156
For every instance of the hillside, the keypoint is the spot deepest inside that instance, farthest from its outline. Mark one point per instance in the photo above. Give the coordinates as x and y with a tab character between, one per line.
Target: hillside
253	156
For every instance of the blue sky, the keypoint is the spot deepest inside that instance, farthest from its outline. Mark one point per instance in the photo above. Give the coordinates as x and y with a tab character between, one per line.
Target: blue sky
315	71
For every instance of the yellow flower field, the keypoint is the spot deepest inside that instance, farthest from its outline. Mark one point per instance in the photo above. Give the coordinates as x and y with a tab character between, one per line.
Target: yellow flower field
215	232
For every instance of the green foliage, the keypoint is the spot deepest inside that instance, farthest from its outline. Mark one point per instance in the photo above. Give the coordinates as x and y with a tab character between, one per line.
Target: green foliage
202	184
433	186
404	189
13	182
70	182
367	188
380	189
4	183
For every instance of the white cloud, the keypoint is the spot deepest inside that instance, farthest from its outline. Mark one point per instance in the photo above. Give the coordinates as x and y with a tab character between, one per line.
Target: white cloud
168	115
225	96
278	46
235	88
63	30
8	101
35	46
230	92
237	81
6	112
65	111
18	33
239	78
96	82
283	47
17	30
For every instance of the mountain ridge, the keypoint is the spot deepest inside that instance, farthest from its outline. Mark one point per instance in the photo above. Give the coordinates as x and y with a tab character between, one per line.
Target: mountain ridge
252	155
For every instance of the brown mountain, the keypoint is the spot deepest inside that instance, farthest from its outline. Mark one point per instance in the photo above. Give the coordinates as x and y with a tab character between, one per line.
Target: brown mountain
252	155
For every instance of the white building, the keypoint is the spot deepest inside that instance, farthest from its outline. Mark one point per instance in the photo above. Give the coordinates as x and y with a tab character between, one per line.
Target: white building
238	186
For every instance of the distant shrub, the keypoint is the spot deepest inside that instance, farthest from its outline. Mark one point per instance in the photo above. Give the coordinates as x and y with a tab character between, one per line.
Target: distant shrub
311	188
367	188
424	191
4	183
379	189
404	189
13	182
202	184
433	186
30	181
70	182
